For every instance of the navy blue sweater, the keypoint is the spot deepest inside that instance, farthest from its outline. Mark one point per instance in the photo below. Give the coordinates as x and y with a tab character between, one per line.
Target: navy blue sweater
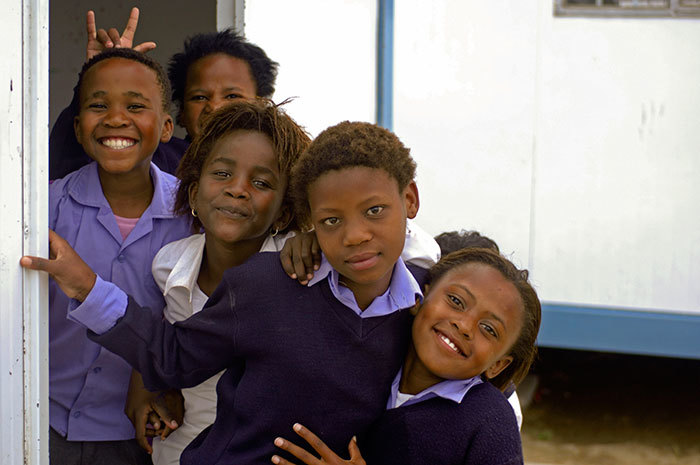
293	353
480	430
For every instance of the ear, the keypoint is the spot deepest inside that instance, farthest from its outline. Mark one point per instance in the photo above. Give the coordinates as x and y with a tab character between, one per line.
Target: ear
498	366
284	218
167	131
411	200
415	308
192	194
76	128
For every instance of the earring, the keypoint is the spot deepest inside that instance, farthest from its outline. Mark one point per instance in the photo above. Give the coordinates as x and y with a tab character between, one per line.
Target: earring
274	233
194	213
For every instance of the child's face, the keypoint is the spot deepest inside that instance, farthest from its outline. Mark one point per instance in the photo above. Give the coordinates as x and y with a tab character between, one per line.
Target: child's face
121	119
470	319
240	191
212	82
359	216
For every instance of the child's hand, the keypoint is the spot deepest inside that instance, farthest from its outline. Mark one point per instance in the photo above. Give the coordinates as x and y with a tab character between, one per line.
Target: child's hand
65	266
327	455
301	256
97	41
152	408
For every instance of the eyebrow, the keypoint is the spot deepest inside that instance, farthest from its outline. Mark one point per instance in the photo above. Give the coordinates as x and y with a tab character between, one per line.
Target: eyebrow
226	89
491	314
129	93
228	161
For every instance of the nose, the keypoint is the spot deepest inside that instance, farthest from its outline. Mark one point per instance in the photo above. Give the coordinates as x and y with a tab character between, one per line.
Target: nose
116	117
356	232
465	325
237	187
214	103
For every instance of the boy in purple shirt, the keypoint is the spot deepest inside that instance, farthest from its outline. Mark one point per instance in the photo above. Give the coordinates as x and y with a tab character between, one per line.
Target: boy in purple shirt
319	353
116	213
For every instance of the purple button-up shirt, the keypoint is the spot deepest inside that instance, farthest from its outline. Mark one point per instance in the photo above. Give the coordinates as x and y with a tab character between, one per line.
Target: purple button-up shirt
451	389
88	384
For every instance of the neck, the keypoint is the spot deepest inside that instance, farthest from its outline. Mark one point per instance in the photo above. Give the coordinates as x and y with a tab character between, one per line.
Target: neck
415	377
220	256
128	194
366	293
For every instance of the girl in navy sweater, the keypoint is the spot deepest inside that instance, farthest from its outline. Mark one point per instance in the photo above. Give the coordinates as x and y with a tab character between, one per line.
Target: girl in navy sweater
472	336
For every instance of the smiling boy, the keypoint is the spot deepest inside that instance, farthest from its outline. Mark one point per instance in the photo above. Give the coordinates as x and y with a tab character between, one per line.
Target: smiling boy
117	213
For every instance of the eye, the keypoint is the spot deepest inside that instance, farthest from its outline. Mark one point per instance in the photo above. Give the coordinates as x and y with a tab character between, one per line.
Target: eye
197	98
375	210
136	107
97	106
233	96
221	174
331	221
261	183
489	329
456	301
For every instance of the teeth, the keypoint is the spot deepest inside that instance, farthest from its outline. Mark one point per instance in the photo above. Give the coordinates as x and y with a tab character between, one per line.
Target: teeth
449	343
118	143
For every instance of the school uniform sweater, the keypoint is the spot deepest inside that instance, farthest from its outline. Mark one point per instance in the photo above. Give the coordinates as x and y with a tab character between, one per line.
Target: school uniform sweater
293	353
479	430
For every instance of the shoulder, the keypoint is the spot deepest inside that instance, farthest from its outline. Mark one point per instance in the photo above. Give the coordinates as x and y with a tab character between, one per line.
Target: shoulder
419	274
77	185
171	253
263	268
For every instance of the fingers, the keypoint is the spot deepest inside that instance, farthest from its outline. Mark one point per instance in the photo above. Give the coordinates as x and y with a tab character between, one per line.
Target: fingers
355	455
314	441
90	23
103	38
114	37
281	461
286	259
145	47
35	263
164	414
140	428
298	452
131	24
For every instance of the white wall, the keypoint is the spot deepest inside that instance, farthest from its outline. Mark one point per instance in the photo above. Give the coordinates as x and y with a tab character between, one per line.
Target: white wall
327	54
572	142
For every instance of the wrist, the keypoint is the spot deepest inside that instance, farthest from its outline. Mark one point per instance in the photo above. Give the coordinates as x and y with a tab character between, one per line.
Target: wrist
84	291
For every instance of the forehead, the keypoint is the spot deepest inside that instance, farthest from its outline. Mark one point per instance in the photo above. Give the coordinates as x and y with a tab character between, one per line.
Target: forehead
222	69
352	185
120	75
245	146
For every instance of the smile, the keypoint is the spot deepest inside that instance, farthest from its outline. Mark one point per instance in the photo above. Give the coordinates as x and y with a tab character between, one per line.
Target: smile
448	342
117	143
234	212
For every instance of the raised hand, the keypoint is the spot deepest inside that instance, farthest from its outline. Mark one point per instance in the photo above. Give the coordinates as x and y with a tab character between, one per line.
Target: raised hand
99	40
327	456
65	266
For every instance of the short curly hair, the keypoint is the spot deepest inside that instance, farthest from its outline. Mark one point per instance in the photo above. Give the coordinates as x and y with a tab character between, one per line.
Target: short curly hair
229	42
524	349
130	54
347	145
288	139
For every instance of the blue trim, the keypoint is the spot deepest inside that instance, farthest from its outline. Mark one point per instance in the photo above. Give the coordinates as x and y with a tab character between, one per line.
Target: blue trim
624	331
385	63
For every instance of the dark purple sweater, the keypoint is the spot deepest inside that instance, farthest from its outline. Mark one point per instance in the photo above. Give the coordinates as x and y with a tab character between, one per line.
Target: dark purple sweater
293	353
480	430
